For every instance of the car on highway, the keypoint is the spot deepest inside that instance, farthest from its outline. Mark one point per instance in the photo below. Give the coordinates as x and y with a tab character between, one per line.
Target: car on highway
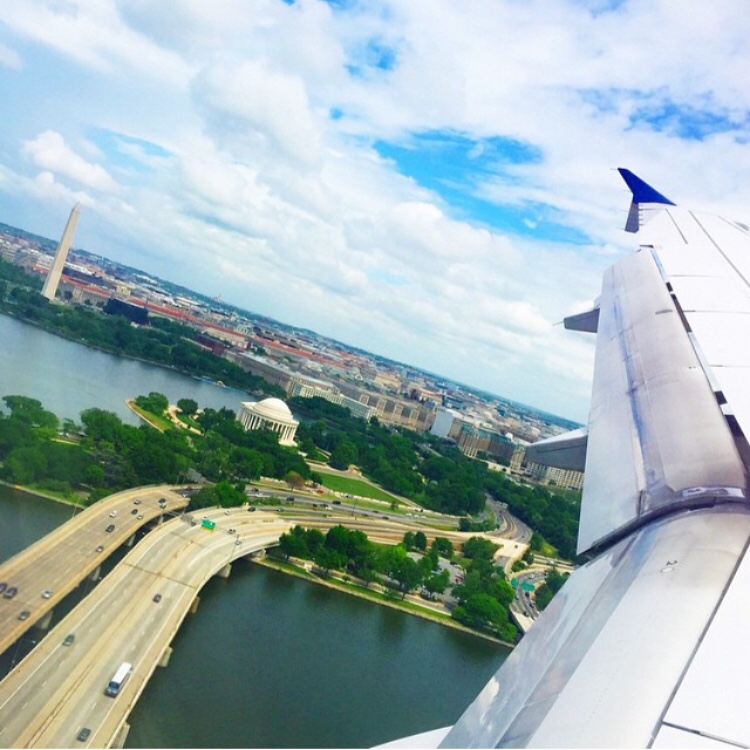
136	502
10	592
47	593
84	734
134	512
24	615
252	509
157	598
68	641
3	586
140	516
100	548
110	528
112	513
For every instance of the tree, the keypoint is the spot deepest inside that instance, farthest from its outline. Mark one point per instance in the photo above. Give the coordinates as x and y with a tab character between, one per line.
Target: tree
156	403
327	558
420	541
408	541
438	583
31	411
294	480
294	543
553	583
443	546
407	573
343	455
368	575
101	425
187	406
480	611
479	548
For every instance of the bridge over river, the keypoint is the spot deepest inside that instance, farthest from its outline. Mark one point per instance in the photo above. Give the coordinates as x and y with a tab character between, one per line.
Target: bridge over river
47	571
131	616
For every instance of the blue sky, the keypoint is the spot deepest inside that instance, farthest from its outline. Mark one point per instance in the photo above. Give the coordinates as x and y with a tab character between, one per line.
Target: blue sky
428	180
454	166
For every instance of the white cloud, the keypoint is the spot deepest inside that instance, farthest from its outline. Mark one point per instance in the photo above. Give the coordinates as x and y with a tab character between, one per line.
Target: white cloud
50	152
274	194
92	32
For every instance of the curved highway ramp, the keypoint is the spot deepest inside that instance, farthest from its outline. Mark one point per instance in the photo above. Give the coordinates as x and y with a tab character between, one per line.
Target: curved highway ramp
131	616
48	570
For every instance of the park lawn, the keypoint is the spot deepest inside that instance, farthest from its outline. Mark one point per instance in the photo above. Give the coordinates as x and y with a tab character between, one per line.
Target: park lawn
356	487
189	421
159	422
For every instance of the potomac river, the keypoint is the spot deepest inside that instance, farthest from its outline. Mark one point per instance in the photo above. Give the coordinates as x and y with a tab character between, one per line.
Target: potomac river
268	660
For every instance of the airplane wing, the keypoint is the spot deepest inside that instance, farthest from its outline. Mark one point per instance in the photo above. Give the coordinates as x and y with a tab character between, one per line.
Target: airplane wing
644	646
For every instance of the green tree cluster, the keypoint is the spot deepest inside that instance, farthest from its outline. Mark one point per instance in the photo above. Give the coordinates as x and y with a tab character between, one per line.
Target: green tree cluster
552	584
485	595
113	456
29	453
434	472
156	403
163	341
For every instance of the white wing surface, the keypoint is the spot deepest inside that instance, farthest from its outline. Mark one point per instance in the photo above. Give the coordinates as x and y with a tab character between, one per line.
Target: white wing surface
645	645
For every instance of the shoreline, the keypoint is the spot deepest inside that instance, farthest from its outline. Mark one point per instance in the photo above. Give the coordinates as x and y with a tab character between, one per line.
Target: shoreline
297	572
293	570
39	493
131	357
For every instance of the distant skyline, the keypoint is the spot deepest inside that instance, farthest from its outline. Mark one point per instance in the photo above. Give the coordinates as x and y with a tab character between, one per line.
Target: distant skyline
429	181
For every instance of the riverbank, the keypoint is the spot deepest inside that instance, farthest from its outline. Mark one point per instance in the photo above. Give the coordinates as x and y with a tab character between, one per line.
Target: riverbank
124	355
40	493
372	596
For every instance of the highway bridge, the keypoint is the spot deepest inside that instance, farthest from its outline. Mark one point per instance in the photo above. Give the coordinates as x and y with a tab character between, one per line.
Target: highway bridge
48	570
131	616
135	612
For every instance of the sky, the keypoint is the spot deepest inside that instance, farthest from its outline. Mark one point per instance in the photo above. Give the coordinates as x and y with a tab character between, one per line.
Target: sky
429	180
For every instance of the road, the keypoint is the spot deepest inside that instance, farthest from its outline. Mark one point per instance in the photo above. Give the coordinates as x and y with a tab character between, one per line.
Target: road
57	689
58	562
382	530
509	527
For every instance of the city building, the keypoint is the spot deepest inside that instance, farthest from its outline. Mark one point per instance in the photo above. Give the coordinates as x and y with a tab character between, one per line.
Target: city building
551	475
269	414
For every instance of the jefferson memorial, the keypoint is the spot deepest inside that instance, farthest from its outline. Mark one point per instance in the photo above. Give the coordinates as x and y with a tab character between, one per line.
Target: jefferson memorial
269	414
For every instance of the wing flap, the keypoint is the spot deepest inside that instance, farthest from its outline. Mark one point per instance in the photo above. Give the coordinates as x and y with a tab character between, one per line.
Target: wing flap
647	449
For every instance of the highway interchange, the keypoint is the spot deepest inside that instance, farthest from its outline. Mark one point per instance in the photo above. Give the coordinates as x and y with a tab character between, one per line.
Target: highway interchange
134	613
59	689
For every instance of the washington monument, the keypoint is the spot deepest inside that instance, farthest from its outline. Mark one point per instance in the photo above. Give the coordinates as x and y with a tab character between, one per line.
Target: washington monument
53	277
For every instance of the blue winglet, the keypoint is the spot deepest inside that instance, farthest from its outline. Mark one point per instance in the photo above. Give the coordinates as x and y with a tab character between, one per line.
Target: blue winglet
642	191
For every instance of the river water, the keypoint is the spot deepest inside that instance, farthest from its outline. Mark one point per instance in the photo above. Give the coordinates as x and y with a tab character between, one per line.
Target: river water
268	660
68	377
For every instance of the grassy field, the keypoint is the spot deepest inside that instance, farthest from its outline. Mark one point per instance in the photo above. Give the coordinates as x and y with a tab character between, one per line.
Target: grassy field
159	422
356	487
